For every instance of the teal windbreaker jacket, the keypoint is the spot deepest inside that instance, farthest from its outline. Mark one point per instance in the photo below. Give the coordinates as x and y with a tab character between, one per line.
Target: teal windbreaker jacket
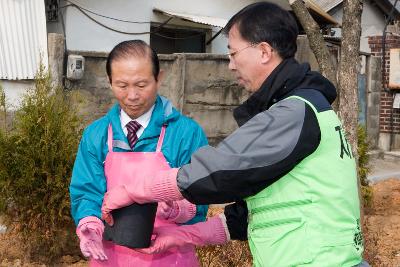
182	138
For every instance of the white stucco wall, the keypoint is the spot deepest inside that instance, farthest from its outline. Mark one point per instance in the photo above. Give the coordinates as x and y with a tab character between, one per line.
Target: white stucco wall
85	35
372	23
14	90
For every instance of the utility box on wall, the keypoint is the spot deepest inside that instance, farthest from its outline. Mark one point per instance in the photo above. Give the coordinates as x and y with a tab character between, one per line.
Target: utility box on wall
394	72
75	67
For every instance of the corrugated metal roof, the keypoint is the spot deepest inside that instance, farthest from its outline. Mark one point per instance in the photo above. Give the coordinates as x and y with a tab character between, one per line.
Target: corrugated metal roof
23	38
327	5
397	4
218	22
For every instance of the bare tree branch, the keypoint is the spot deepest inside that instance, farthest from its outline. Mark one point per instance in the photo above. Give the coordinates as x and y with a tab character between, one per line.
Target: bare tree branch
316	40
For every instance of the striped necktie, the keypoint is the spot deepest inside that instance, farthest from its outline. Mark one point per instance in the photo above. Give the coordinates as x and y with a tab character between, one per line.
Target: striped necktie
132	127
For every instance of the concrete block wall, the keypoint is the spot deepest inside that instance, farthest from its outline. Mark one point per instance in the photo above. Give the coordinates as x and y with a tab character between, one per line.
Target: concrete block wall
305	54
55	44
94	87
374	86
200	85
210	93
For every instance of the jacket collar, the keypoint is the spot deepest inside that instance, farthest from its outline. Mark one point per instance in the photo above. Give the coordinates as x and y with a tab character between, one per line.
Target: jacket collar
288	76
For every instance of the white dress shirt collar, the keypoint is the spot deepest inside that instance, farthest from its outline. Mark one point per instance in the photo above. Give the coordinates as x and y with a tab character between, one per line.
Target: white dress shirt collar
143	120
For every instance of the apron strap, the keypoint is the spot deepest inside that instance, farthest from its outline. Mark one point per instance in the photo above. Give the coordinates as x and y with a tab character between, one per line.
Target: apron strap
110	138
161	139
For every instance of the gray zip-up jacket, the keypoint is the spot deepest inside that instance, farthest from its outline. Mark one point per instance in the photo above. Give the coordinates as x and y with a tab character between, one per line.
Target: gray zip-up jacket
275	134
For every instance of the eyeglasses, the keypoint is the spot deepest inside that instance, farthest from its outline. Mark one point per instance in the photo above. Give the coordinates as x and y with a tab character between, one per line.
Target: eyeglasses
232	54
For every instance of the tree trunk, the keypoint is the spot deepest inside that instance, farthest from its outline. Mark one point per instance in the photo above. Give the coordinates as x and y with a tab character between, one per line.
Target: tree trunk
348	79
348	69
316	40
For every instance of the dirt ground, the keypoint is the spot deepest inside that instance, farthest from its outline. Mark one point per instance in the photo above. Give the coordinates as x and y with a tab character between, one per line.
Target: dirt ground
381	233
382	225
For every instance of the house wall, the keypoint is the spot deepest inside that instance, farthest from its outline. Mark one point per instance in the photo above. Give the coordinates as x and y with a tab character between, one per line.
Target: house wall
85	35
372	23
14	90
389	137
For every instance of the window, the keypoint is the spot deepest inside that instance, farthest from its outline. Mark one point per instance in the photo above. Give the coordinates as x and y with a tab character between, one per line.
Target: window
52	7
178	40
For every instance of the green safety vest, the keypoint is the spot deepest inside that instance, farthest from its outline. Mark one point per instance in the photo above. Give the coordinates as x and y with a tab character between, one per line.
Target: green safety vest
311	215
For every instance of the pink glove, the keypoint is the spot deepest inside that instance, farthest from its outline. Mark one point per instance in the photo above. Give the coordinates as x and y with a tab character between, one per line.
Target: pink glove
161	187
179	211
212	232
90	231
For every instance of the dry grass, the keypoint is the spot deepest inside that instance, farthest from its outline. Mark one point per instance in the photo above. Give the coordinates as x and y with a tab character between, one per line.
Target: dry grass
235	253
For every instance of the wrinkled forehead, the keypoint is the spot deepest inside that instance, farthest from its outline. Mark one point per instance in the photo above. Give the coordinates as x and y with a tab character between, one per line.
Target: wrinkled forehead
130	60
132	67
133	54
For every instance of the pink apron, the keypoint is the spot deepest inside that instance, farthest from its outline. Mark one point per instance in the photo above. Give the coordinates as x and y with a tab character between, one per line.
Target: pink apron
139	165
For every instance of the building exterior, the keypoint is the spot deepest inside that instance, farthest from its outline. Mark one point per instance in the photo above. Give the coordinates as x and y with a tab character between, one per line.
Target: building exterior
98	25
372	20
378	19
95	26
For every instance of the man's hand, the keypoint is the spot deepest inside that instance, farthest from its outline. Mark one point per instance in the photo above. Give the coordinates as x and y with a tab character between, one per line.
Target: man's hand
211	232
117	197
166	239
179	211
90	232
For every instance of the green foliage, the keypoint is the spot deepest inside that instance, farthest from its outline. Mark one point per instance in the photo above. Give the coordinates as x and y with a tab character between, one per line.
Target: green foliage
363	168
36	161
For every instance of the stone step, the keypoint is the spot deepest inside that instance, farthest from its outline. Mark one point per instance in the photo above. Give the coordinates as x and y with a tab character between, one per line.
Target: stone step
392	155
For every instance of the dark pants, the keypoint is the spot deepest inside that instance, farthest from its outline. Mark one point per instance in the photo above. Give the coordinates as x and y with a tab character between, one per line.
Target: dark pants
363	264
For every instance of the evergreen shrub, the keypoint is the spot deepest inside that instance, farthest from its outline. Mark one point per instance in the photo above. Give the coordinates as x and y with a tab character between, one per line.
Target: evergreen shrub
36	160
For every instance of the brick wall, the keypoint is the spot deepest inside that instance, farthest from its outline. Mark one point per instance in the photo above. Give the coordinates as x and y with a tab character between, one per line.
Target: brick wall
387	120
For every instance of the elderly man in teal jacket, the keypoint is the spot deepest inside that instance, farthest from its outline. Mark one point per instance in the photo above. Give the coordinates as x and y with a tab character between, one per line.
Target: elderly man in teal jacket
134	74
